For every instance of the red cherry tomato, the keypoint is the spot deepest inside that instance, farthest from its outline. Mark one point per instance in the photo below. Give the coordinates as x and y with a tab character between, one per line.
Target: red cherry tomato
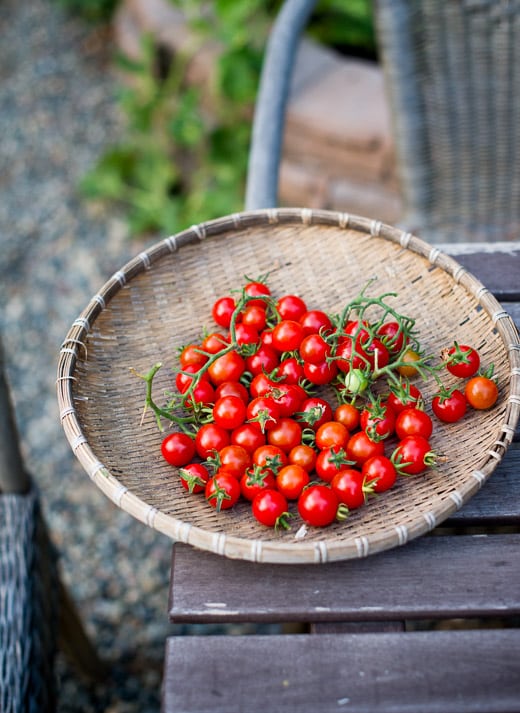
461	360
210	438
270	508
380	473
449	407
413	455
314	349
222	311
234	459
320	374
178	449
291	307
314	411
286	434
304	456
254	480
291	480
222	491
248	436
232	388
315	322
229	412
263	412
287	335
360	448
194	477
348	415
318	505
272	457
349	486
413	421
331	433
228	367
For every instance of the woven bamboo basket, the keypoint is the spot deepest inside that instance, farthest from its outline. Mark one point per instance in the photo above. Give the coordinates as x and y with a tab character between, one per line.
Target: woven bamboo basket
161	299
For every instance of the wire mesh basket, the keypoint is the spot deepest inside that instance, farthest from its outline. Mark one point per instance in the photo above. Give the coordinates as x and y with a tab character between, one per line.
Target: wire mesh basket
161	299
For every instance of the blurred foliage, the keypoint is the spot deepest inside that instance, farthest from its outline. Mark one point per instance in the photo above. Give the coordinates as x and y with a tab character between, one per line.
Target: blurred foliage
184	156
91	10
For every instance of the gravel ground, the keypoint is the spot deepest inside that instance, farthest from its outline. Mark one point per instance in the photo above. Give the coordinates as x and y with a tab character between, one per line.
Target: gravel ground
57	113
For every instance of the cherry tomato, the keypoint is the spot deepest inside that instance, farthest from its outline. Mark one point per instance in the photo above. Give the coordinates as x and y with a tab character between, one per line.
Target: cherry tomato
234	459
270	508
192	355
254	480
265	359
330	461
229	412
184	378
257	289
449	407
228	367
392	337
404	396
272	457
320	374
254	316
261	385
202	393
232	388
286	434
263	412
222	491
248	436
290	371
349	486
287	335
291	480
314	411
331	433
178	449
413	455
318	505
377	420
288	398
291	307
413	421
410	357
245	334
222	311
461	360
314	349
380	473
481	392
304	456
214	343
209	438
361	447
315	321
194	477
348	415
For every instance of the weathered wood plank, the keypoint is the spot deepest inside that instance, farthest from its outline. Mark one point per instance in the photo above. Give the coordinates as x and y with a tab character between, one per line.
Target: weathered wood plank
430	672
499	271
498	501
436	576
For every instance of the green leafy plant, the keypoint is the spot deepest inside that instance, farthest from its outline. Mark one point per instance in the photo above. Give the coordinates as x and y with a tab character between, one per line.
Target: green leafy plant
184	156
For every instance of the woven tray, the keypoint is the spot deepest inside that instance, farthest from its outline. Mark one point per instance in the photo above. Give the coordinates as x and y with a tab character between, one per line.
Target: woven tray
162	298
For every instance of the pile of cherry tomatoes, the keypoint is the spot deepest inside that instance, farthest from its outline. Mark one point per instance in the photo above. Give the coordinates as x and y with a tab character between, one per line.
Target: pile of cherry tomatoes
284	404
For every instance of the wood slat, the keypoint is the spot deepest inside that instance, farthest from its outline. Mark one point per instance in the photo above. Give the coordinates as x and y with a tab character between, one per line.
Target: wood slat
435	576
499	271
498	502
430	672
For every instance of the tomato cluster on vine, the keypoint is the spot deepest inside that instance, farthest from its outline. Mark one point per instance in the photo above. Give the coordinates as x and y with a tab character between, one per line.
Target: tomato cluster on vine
254	423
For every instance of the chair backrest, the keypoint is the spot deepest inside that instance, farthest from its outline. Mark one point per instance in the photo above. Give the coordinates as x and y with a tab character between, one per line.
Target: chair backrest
453	76
454	92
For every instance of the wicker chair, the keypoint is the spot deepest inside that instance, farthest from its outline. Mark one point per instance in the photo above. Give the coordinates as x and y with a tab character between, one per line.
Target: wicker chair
453	91
35	610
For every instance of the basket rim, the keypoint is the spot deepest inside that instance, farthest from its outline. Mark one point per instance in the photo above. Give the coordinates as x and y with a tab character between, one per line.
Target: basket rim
265	550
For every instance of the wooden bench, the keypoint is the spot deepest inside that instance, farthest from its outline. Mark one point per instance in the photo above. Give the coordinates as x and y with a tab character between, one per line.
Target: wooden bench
431	626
